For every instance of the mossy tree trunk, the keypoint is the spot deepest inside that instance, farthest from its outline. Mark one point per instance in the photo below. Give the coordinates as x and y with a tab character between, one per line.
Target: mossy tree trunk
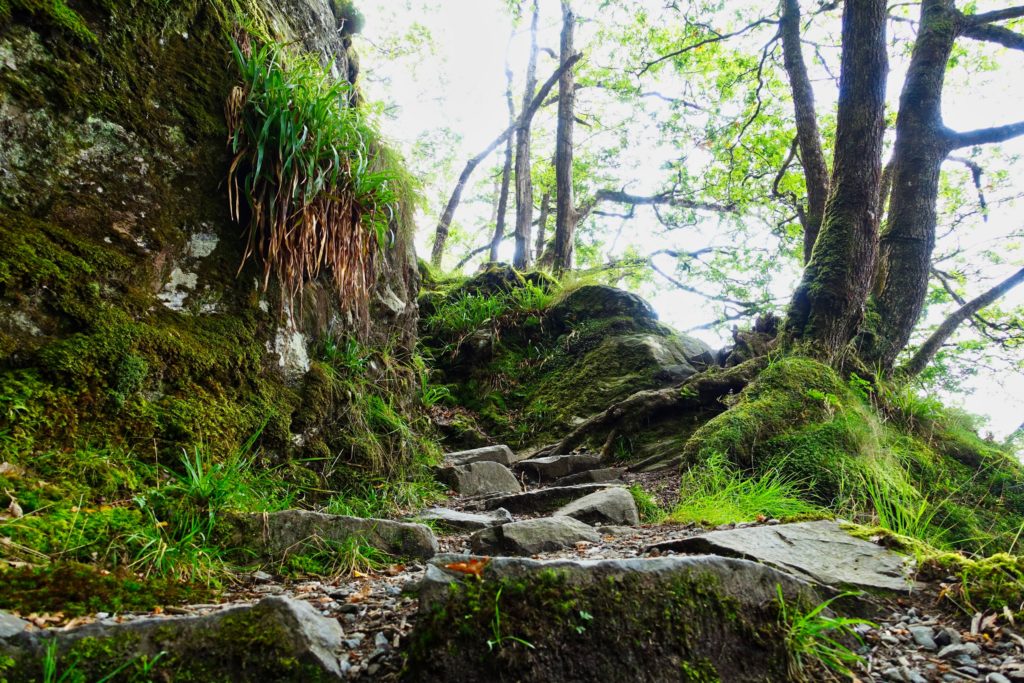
524	182
827	306
922	144
566	216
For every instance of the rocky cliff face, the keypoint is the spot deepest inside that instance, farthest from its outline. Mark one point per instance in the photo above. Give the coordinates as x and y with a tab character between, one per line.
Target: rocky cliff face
123	315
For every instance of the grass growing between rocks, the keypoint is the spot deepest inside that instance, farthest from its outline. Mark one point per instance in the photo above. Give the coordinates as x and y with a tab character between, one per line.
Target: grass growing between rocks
815	638
715	492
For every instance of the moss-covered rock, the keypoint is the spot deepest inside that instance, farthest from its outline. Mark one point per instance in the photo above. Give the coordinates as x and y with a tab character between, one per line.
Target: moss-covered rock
665	619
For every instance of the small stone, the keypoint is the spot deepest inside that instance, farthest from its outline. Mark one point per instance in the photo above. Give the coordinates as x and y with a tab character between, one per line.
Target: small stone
996	677
893	674
380	641
924	636
947	636
956	650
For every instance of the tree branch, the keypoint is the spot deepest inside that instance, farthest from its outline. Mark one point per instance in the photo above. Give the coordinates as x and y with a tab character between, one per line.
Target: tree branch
668	198
993	34
717	38
985	136
919	361
997	15
524	118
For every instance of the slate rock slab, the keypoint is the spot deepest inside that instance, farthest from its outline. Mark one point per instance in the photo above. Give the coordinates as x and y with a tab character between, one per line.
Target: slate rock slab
540	500
531	536
274	535
479	478
613	506
605	475
465	521
820	551
639	619
502	455
556	466
277	639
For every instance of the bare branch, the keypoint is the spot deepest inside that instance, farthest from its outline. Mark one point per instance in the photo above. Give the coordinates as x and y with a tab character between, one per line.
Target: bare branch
976	172
716	38
524	118
997	15
985	136
668	198
994	34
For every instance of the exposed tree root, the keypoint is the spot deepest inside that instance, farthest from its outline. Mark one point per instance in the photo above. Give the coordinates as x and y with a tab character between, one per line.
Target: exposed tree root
632	413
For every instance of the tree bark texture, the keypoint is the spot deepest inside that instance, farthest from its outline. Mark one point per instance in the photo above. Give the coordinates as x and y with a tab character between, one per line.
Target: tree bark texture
542	226
524	181
506	173
908	238
827	306
812	158
565	209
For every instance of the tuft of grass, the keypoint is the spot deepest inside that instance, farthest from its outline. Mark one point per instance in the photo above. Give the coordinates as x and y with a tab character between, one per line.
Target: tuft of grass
335	559
814	638
647	506
321	193
715	492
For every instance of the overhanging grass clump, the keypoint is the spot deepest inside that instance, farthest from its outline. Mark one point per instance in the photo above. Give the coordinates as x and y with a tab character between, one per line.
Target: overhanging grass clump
321	193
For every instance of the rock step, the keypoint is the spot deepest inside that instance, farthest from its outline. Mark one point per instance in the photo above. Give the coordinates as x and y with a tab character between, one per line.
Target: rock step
553	467
500	454
662	619
819	551
539	500
612	506
605	475
277	639
464	521
531	536
274	535
479	478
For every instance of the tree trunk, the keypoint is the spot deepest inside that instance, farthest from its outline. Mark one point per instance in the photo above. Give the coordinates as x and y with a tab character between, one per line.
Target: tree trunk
542	226
524	181
506	173
812	158
827	306
445	222
931	346
565	210
908	237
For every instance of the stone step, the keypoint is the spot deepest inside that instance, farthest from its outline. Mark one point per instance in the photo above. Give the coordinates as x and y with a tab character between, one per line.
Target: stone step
275	639
614	506
500	454
819	551
554	467
657	619
479	478
531	536
464	521
274	535
538	500
605	475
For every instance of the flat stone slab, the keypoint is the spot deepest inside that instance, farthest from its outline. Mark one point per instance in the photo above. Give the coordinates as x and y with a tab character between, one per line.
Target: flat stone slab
501	454
277	534
613	506
532	536
465	521
651	619
556	466
480	478
605	475
540	500
819	551
277	639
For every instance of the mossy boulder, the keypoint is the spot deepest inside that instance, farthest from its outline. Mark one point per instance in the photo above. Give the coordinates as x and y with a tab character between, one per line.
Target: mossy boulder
124	318
541	361
664	619
276	639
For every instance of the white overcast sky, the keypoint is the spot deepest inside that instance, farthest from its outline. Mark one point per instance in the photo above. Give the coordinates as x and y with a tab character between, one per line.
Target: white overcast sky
461	87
